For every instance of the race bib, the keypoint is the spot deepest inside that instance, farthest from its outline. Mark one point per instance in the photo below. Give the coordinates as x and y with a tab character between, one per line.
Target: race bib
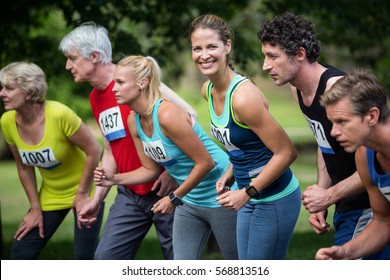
43	158
111	124
223	136
385	190
319	134
155	150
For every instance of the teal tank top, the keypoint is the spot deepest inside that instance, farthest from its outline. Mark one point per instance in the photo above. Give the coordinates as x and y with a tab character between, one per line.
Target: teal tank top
246	150
162	150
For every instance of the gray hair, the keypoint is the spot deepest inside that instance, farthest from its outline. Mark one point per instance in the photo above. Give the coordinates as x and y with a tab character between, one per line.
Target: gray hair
86	39
28	76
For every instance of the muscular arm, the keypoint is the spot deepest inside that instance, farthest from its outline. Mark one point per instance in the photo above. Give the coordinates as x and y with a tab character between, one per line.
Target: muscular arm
320	196
165	183
377	234
323	178
251	109
88	214
108	163
176	125
346	188
85	140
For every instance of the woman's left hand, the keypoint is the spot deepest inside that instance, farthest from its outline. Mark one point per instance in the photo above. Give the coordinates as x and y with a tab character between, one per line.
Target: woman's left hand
163	206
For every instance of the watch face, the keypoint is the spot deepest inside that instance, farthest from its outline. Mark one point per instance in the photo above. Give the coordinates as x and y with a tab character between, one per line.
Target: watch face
175	200
251	191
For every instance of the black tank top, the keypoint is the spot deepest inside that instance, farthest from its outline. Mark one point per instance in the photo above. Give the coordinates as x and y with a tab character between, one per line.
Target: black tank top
339	163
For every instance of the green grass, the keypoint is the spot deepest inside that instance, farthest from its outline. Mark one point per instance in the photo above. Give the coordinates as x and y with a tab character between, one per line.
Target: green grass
304	242
14	205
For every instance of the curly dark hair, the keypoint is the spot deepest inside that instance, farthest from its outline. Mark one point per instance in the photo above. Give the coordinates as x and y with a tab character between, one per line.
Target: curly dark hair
291	32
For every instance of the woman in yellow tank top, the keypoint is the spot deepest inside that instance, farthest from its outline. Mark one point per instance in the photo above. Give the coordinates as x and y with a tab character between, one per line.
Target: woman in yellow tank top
50	137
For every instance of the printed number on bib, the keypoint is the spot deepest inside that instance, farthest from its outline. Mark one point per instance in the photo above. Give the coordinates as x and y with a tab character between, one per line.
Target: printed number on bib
319	134
111	124
155	150
223	136
43	158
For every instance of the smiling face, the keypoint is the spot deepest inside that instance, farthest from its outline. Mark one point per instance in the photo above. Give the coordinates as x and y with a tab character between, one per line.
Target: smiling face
281	68
126	89
349	128
209	53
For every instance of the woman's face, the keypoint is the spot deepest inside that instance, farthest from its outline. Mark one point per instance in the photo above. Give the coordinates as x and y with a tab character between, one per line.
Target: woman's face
12	95
126	89
208	51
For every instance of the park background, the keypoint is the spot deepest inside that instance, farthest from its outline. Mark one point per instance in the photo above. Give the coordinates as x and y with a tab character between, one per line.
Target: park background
352	33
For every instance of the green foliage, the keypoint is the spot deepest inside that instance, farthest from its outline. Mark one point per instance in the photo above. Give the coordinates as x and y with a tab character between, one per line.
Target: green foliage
361	27
31	30
353	33
73	95
157	28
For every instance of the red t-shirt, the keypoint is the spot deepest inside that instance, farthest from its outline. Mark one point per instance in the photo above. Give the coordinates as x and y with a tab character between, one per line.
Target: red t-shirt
112	120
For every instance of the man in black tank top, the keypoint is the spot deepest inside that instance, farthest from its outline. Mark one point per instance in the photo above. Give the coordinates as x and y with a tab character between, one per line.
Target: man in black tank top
291	53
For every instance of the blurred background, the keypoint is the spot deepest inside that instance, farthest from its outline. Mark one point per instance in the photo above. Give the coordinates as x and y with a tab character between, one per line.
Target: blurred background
352	34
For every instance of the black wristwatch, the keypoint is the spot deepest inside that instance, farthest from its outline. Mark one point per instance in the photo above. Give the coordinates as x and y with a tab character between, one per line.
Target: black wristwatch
175	199
251	191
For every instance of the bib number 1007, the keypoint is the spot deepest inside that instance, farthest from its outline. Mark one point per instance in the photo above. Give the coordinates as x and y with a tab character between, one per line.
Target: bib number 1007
43	158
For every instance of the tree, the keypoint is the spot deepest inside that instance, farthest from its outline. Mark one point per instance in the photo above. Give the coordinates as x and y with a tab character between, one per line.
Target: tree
356	31
32	29
155	27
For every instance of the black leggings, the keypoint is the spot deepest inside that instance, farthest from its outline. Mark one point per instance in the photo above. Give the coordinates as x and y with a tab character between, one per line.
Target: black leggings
85	240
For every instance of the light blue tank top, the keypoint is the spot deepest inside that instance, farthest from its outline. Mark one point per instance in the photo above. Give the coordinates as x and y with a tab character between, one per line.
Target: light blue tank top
162	150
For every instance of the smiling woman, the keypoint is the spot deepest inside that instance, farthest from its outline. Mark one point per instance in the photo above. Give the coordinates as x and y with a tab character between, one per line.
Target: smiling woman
240	120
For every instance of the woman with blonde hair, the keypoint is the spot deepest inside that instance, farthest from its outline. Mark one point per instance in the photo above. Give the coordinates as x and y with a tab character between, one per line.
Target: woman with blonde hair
165	135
